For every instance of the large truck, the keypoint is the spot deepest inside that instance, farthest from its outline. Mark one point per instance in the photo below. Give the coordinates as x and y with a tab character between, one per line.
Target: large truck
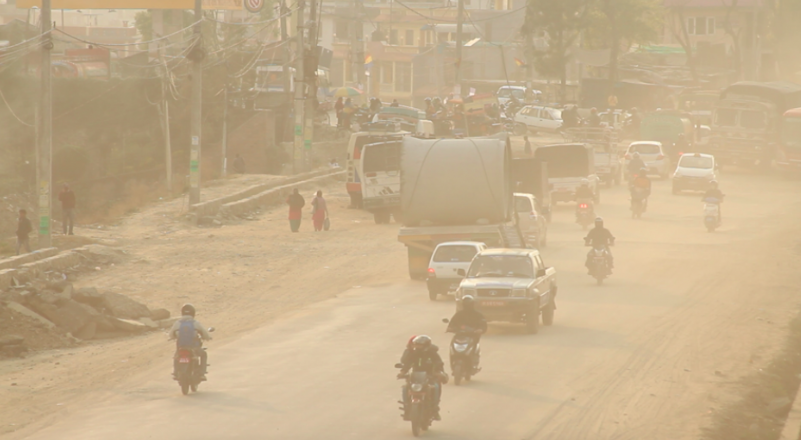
455	190
788	156
747	119
605	142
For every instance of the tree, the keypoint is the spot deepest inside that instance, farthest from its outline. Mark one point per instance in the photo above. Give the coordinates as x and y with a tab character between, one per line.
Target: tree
733	31
561	22
144	24
616	24
678	28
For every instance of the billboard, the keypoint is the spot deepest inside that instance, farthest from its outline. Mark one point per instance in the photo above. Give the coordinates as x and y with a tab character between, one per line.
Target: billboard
233	5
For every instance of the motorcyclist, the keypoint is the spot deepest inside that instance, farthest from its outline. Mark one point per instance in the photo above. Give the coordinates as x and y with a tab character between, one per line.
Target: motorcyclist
635	164
600	237
423	357
468	317
188	333
713	192
429	109
641	187
594	120
584	192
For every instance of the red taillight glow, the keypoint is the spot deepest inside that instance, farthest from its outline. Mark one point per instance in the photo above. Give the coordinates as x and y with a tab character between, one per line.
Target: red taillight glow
583	206
431	271
681	153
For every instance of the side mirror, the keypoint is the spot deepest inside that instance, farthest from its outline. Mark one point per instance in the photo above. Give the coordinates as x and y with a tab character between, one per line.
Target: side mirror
445	320
461	272
540	273
398	365
211	329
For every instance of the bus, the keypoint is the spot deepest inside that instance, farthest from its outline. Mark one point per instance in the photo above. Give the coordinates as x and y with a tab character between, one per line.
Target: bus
788	156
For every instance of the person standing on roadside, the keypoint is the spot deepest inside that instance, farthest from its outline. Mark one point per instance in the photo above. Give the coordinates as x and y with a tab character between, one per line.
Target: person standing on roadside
527	146
67	199
23	229
319	211
296	203
339	106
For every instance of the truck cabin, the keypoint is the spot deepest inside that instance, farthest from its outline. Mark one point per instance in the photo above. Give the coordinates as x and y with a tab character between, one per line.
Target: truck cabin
743	116
567	160
750	106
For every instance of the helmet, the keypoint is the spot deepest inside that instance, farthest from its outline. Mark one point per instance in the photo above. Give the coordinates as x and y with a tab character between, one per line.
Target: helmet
410	342
468	302
585	182
599	222
636	155
188	309
713	183
593	110
421	342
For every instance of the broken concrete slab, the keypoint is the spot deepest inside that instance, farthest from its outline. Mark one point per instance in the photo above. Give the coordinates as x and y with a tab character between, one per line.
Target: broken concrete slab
128	325
88	295
22	310
69	314
159	314
121	306
149	323
87	332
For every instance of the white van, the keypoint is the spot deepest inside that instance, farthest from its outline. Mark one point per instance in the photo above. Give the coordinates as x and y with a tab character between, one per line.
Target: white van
447	259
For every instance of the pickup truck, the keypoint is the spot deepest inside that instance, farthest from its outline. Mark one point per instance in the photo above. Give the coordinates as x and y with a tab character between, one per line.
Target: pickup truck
604	141
511	285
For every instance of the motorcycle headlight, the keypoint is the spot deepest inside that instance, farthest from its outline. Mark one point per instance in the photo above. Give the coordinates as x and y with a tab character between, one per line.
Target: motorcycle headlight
463	292
417	387
460	348
519	292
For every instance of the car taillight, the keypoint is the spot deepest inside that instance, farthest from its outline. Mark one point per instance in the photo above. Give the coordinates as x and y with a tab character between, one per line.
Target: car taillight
432	272
681	153
583	206
660	157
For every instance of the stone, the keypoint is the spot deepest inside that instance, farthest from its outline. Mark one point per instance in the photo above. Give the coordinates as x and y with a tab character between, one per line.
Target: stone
87	332
149	323
88	295
159	314
22	310
128	325
166	323
70	315
120	306
11	340
93	312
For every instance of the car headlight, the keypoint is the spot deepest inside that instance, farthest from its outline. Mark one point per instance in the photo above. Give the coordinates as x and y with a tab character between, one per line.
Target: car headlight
417	387
519	292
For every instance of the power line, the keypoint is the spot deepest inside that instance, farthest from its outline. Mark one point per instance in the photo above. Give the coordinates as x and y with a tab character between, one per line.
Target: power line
12	111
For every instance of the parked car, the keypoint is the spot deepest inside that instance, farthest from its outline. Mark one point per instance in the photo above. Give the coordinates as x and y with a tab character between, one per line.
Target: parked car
694	172
537	118
652	154
511	285
522	94
446	261
532	223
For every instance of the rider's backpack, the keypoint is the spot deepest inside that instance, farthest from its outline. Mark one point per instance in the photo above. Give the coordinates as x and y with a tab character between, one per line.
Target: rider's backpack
187	335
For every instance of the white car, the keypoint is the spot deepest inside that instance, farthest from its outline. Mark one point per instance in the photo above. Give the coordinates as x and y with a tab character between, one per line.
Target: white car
537	118
693	172
652	155
446	261
532	223
523	95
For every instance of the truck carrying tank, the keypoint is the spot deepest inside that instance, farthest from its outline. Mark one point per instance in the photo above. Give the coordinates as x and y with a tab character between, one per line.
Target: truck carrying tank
456	181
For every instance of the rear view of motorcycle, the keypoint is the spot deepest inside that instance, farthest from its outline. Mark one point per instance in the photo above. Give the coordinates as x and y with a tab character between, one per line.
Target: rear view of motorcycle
417	401
711	214
598	262
585	213
188	371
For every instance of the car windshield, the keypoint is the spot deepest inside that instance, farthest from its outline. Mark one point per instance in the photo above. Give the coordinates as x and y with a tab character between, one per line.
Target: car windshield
696	162
513	266
645	148
752	119
455	254
517	93
522	204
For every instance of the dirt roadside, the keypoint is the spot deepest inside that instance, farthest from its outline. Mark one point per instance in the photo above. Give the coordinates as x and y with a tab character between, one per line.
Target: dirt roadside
240	277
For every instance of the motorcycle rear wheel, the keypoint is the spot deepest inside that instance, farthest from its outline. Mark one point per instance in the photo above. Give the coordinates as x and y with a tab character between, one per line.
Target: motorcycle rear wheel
184	388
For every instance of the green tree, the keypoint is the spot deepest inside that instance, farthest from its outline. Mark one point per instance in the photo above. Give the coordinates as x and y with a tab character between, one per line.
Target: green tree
144	24
561	23
616	24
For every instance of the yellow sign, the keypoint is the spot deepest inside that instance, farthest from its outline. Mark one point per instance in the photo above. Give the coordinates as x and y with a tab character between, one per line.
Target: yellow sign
234	5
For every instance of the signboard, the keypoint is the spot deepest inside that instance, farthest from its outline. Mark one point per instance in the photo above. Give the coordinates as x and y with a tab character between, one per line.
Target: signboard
254	5
234	5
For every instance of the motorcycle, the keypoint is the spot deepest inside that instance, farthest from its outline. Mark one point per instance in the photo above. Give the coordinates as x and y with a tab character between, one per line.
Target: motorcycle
465	353
585	213
639	202
187	368
711	214
417	400
599	262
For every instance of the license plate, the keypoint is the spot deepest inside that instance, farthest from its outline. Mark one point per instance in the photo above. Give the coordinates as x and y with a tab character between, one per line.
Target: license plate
183	361
493	303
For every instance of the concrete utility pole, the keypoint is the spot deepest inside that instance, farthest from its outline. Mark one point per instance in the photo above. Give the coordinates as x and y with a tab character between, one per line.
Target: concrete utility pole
45	165
311	96
196	99
356	45
300	85
459	22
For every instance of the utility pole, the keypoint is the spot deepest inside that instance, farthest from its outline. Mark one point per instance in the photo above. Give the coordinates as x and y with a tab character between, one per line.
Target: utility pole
356	45
45	147
225	127
165	107
196	100
300	85
459	22
311	79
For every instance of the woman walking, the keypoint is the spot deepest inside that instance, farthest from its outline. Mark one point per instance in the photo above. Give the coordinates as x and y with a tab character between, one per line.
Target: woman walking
319	211
296	204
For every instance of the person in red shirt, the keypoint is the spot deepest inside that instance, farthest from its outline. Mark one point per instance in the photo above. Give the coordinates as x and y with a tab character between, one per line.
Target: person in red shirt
296	203
67	199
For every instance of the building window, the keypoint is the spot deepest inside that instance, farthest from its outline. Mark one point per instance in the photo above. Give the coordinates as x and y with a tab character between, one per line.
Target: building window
410	38
700	26
403	72
386	72
393	37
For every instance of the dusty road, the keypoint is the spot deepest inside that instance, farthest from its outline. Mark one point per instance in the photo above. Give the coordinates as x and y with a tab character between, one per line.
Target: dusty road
633	359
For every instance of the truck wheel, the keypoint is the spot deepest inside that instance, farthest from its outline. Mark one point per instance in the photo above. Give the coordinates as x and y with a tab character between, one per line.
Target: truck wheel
547	313
533	321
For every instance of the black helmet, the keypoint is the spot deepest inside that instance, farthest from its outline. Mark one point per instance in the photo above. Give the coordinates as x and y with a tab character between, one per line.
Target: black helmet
599	222
421	342
188	309
468	302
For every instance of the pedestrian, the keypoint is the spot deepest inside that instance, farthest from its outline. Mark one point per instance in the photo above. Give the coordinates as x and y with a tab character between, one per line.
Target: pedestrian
67	198
527	146
239	164
319	211
23	229
338	107
296	204
395	103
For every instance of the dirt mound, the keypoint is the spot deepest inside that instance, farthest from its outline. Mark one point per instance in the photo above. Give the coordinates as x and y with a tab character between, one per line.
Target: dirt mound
36	335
